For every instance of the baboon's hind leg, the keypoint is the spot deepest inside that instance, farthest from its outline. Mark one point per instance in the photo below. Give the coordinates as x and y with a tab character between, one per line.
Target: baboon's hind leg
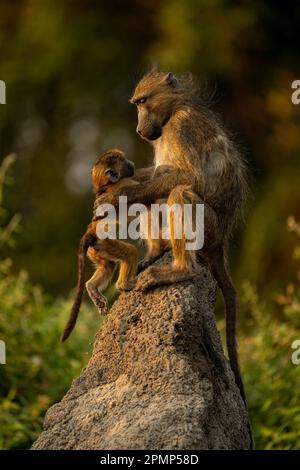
184	266
123	253
128	264
99	282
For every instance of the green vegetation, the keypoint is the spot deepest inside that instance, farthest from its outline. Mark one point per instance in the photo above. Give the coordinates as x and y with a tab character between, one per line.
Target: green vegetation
271	324
272	379
39	370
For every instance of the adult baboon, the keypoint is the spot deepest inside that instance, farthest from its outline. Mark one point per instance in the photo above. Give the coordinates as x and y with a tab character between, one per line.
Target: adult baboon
207	168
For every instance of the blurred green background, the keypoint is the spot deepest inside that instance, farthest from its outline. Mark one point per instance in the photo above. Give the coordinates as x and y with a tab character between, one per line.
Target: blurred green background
69	68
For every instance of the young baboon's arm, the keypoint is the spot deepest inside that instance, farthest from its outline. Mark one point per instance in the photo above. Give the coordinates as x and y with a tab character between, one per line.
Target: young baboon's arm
144	174
150	191
162	170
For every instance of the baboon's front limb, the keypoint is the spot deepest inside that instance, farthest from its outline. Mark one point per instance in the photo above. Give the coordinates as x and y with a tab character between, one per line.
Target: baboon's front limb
184	266
150	190
144	174
128	256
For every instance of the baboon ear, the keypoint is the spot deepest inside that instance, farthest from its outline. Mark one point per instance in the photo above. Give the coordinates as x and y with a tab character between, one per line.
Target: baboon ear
171	79
113	176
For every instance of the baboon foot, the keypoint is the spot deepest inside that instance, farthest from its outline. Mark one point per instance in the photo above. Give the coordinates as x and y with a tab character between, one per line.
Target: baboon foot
125	285
101	304
156	276
148	260
99	301
145	263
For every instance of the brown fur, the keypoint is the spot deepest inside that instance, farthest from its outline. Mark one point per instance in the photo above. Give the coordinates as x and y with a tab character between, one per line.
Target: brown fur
104	253
186	135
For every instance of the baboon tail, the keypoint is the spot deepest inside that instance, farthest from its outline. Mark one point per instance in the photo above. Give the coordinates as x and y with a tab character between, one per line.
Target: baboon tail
220	273
222	277
87	240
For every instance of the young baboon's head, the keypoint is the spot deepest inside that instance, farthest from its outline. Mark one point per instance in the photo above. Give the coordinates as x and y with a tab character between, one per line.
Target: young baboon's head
110	168
155	97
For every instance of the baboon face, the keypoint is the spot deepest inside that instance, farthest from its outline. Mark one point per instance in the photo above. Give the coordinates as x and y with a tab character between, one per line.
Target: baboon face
110	168
154	98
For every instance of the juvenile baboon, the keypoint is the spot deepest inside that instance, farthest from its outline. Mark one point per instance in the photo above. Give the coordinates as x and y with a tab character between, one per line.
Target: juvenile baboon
111	172
207	168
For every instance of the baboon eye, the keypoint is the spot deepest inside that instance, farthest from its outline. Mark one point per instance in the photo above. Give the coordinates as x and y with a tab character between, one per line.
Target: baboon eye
142	100
112	175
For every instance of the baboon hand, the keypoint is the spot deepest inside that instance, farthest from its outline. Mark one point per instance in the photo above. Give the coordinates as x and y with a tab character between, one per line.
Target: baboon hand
153	277
143	264
145	281
110	198
147	261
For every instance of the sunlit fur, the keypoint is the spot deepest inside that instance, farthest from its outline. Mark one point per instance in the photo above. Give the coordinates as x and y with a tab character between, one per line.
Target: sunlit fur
193	139
104	254
207	167
115	160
